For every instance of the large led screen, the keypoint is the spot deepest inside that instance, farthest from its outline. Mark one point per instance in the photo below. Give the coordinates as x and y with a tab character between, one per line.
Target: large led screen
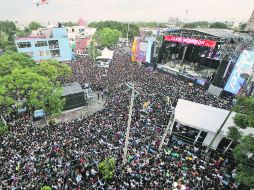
235	81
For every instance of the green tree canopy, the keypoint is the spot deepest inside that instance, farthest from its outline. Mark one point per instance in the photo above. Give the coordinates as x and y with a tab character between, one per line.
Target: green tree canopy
120	26
219	25
93	52
107	37
7	32
243	26
69	24
244	151
199	24
34	25
35	84
107	168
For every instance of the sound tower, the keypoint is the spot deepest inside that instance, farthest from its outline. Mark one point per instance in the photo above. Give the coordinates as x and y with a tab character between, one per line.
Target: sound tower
218	79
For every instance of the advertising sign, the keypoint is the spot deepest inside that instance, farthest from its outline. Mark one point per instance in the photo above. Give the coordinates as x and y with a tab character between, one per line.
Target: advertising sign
198	42
235	81
149	49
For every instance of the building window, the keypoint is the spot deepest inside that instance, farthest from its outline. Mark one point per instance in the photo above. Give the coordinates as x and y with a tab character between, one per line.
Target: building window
53	44
43	53
41	43
73	30
24	44
55	53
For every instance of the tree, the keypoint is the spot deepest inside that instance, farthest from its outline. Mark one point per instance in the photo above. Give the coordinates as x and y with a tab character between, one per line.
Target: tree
37	85
107	37
69	24
244	151
46	188
93	52
243	154
243	26
34	25
7	32
219	25
107	168
3	127
199	24
245	112
132	29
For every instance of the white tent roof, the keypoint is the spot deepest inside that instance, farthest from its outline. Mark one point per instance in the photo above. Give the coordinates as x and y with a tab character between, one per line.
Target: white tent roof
106	54
205	118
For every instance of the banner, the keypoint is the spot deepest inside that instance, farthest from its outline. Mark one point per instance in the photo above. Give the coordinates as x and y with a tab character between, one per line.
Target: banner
149	49
134	48
198	42
235	81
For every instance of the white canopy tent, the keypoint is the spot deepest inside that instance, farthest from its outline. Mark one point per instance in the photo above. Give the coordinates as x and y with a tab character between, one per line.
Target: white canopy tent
106	54
205	118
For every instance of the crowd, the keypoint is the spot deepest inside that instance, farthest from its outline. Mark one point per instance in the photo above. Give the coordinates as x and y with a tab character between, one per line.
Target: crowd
66	155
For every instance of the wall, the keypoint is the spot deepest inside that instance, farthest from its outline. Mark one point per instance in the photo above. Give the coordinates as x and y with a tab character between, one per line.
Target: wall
59	34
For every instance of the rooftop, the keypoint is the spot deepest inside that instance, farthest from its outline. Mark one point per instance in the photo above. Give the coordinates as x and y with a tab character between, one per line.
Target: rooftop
71	88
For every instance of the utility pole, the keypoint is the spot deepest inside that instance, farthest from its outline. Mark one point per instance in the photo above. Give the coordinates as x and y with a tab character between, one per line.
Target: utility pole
169	126
218	132
127	134
128	35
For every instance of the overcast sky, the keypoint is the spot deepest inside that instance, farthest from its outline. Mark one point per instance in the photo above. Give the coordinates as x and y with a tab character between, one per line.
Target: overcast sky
126	10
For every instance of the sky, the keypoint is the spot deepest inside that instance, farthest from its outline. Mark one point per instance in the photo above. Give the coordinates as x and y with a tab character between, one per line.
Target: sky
126	10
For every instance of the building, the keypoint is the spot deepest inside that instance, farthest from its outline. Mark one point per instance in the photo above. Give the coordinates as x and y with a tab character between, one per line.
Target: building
46	44
80	37
250	24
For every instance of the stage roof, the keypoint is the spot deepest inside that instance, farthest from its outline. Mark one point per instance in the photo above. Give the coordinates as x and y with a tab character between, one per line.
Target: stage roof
71	88
221	33
205	118
217	33
106	54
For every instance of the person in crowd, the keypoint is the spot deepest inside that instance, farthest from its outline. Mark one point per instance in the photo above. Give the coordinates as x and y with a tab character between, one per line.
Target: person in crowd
66	155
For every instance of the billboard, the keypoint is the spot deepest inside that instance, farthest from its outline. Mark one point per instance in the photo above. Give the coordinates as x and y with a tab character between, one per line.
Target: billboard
149	49
198	42
235	81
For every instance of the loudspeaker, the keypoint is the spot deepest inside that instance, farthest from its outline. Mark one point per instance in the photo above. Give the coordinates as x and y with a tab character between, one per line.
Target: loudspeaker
218	79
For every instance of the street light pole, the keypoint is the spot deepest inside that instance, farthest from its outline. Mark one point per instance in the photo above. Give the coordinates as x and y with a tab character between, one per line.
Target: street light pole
218	132
170	122
128	127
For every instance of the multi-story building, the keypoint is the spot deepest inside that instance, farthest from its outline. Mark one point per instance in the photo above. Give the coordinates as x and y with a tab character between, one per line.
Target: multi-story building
80	37
46	44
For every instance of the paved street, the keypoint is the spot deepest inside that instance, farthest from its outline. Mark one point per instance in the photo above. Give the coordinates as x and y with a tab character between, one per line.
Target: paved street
93	106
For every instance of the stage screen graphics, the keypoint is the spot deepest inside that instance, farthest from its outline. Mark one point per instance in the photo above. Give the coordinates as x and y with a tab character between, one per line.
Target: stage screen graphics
198	42
245	62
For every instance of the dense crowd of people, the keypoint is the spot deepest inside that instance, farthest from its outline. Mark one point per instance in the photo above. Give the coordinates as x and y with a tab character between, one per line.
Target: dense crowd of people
66	155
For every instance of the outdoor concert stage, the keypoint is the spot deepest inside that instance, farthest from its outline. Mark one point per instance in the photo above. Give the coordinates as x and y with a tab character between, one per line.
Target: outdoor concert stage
205	53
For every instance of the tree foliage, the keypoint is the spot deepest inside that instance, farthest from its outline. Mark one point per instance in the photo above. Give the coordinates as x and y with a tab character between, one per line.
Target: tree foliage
243	26
36	84
93	52
245	112
7	32
219	25
244	151
107	37
107	168
151	24
69	24
34	25
46	188
3	128
199	24
120	26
